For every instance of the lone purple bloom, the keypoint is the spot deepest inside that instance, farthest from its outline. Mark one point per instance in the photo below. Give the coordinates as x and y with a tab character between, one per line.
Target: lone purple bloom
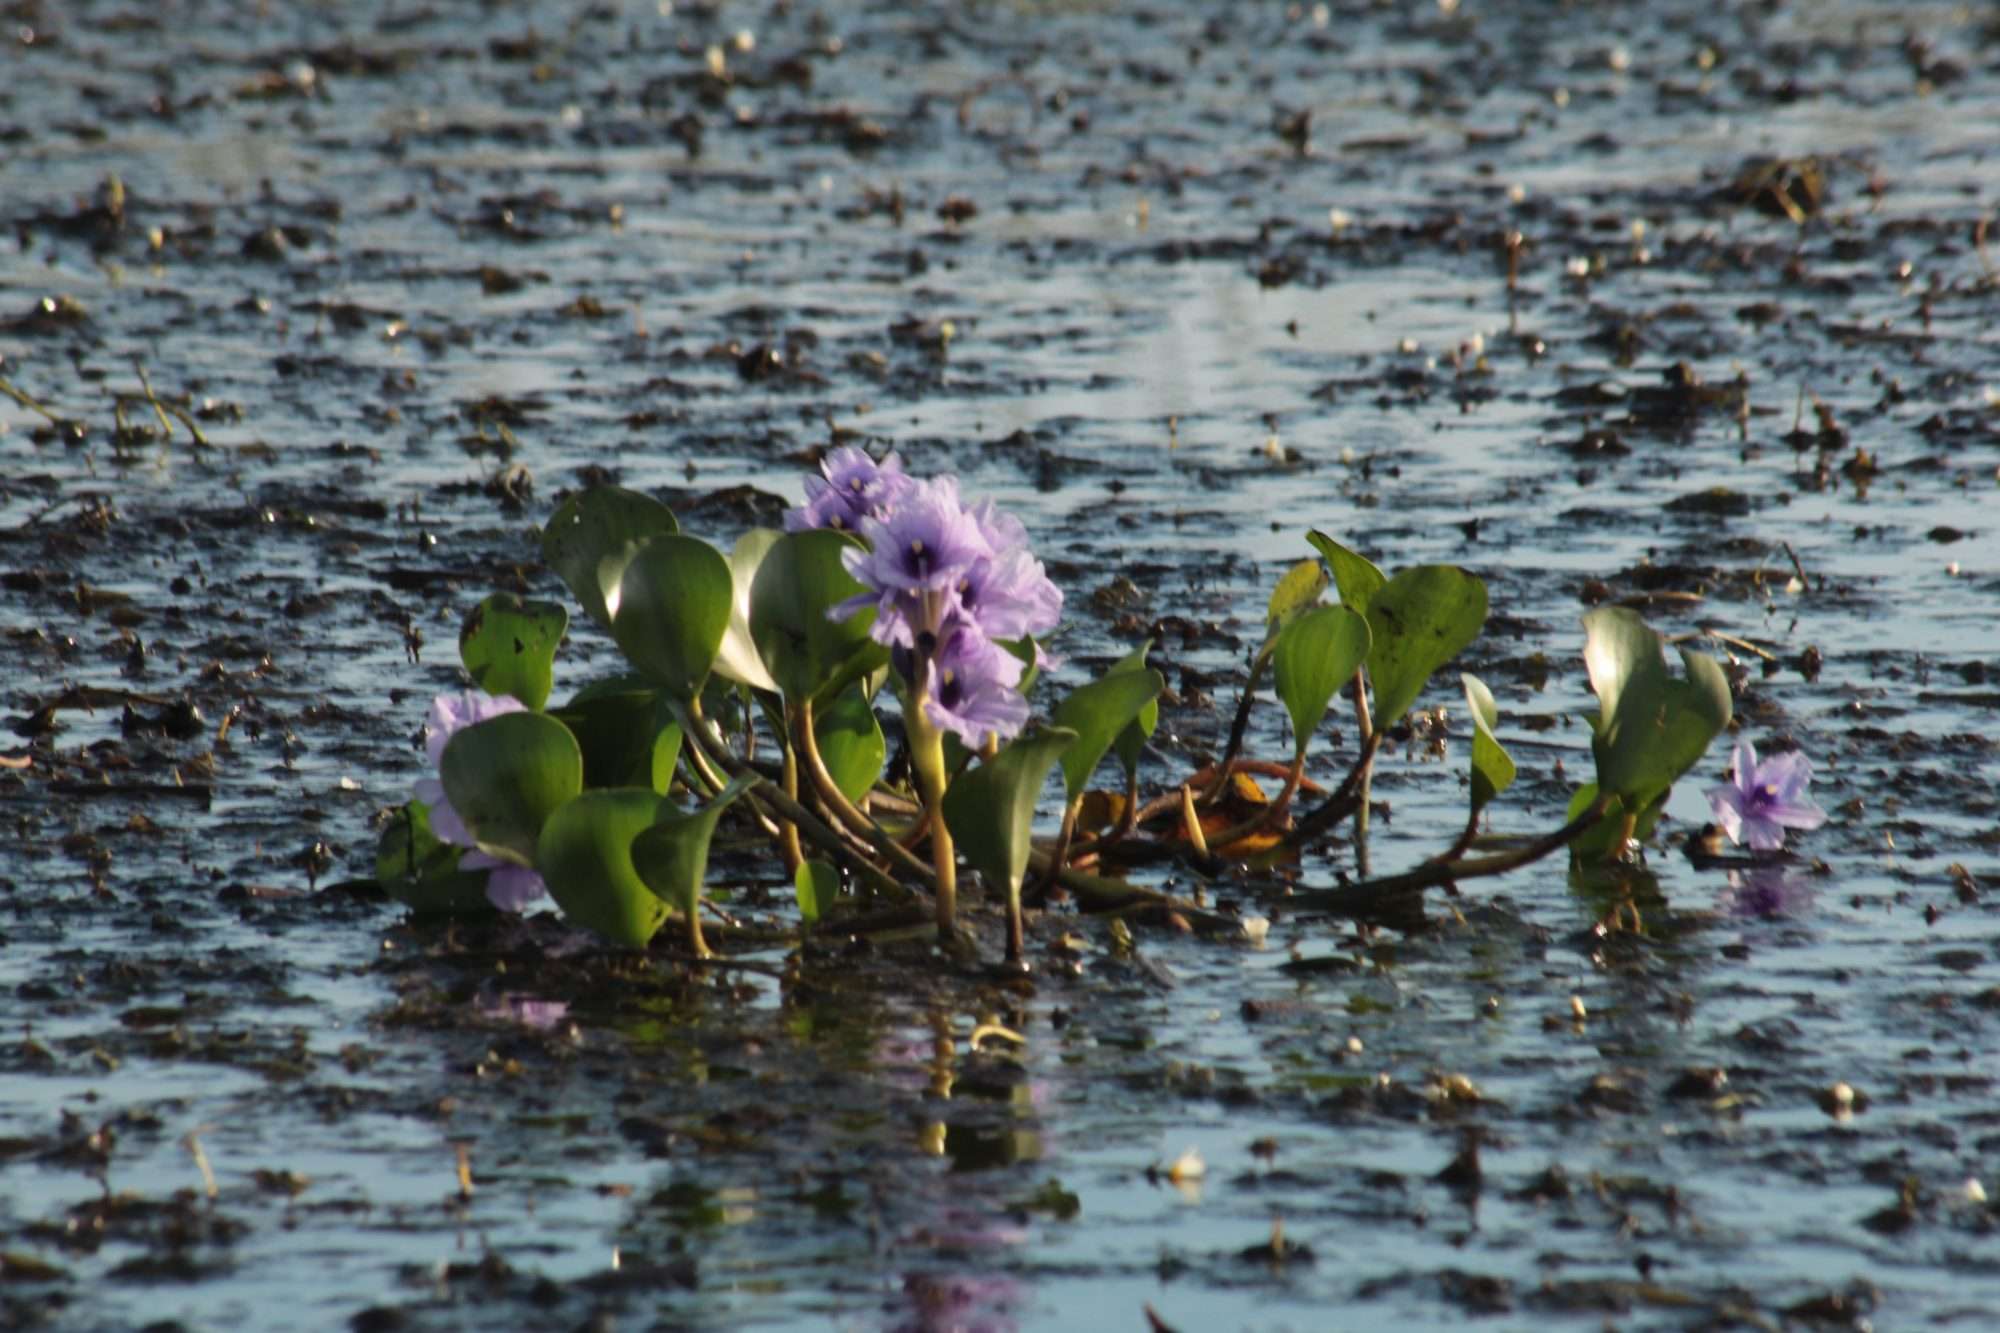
1762	800
509	887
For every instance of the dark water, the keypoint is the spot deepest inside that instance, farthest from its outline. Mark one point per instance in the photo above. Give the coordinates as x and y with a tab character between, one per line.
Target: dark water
414	270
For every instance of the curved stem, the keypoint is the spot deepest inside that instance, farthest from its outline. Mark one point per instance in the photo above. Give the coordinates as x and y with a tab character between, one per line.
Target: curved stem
1430	874
1270	810
1241	723
768	793
843	810
788	832
1341	804
927	758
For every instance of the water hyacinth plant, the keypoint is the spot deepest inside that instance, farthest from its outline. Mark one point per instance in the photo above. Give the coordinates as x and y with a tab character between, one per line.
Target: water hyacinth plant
1763	799
753	686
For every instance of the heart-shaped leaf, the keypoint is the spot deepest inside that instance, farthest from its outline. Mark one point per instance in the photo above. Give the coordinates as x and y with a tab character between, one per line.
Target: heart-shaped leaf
1098	713
672	855
1131	741
737	659
507	775
1313	657
592	535
1651	726
850	741
1420	620
673	607
420	872
1355	576
585	857
799	580
990	809
1492	766
509	646
817	884
627	732
1297	591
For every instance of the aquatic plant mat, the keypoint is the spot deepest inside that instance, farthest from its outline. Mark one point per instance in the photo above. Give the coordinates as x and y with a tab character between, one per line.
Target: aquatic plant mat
311	315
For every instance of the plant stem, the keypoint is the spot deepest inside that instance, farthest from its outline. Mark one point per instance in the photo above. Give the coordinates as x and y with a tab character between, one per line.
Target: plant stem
1364	728
927	758
1430	874
843	810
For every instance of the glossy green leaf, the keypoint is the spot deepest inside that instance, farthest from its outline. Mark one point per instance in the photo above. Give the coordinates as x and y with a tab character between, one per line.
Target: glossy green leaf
1420	619
799	580
850	742
420	872
1029	654
505	776
1492	766
585	857
737	659
1131	741
672	856
628	735
817	884
990	809
509	646
1098	713
1312	658
672	609
592	535
1297	591
1651	726
1355	576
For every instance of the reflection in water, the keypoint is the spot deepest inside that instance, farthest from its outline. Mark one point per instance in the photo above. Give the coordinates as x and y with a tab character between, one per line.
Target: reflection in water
1764	892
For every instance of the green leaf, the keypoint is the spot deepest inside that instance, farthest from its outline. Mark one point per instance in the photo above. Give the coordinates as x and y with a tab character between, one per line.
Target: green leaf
628	735
1356	577
1313	657
509	646
990	810
1297	591
798	582
1026	650
1420	619
672	607
1131	742
850	742
737	659
420	872
817	884
1597	840
1651	727
1098	713
585	857
672	856
1492	766
591	537
506	775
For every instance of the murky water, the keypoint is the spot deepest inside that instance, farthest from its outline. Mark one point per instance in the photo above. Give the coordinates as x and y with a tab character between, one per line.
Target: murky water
1224	278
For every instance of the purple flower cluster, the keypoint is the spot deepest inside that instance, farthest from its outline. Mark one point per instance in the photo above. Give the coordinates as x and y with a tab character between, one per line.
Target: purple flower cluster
947	581
853	487
1762	800
508	887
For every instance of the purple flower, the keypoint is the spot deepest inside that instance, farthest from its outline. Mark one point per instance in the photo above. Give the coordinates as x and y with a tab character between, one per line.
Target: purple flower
1010	595
1762	800
1764	891
509	887
918	554
854	487
970	686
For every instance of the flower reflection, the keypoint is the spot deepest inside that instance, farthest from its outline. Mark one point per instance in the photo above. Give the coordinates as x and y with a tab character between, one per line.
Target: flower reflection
525	1010
1764	893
